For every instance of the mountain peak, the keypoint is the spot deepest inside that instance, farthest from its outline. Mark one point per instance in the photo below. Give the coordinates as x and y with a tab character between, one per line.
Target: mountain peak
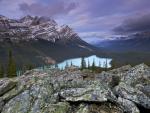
36	27
25	18
3	17
43	20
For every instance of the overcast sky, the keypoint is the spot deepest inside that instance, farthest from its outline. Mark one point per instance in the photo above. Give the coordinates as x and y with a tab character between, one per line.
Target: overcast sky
92	19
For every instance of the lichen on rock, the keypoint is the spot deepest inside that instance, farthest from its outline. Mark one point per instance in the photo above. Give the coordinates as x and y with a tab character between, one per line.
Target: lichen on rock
55	91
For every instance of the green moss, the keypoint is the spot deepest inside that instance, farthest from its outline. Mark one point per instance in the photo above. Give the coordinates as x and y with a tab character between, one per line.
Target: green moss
61	107
83	109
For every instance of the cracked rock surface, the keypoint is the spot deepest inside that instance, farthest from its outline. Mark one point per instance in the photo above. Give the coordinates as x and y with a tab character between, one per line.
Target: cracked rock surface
120	90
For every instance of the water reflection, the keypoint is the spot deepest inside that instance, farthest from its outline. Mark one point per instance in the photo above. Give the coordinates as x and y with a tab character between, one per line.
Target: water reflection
99	62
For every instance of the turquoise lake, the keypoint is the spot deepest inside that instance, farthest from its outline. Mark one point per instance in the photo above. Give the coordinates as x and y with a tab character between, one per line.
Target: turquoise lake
100	62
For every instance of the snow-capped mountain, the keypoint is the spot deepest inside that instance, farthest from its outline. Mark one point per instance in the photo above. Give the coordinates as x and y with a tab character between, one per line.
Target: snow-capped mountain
136	42
34	39
35	28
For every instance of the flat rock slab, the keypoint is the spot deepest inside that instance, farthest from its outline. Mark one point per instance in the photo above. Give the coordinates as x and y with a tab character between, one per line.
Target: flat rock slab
6	85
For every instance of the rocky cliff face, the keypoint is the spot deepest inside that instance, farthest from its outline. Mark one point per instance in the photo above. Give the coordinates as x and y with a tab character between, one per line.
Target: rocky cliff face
122	90
28	28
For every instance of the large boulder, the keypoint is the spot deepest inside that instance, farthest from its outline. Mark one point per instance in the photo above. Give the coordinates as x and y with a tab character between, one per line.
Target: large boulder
120	70
83	109
6	85
108	78
1	104
57	91
99	108
38	92
61	107
19	104
127	92
92	92
128	106
138	74
114	76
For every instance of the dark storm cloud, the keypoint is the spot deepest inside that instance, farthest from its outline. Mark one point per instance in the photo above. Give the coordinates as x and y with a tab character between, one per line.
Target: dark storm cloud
98	8
137	24
91	18
50	9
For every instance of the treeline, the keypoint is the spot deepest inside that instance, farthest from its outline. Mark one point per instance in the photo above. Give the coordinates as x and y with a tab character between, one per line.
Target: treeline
95	68
10	69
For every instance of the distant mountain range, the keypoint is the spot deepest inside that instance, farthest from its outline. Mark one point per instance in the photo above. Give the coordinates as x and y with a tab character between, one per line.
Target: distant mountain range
132	50
139	42
39	40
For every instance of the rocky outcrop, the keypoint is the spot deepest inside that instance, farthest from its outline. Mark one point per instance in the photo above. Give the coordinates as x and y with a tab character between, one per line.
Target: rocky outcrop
56	91
6	85
91	92
139	74
127	92
128	106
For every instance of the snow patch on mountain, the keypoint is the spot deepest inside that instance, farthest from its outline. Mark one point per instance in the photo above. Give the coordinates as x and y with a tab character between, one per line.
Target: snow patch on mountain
35	28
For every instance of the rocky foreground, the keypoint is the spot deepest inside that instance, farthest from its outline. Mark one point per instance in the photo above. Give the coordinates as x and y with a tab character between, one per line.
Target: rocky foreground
122	90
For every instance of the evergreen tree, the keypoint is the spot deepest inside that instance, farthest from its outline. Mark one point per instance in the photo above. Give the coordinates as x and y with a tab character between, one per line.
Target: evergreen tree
24	68
71	63
11	71
56	65
106	66
88	64
93	65
1	71
99	63
113	65
100	69
62	68
67	65
29	66
83	63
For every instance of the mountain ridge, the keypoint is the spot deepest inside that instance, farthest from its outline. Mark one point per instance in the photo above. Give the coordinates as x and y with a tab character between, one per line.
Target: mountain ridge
135	42
36	38
34	28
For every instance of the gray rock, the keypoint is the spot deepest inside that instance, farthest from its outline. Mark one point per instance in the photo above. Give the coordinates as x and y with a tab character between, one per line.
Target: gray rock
120	70
104	77
113	77
6	85
1	104
137	74
56	91
110	79
36	94
19	104
128	106
98	108
127	92
60	107
144	88
95	92
83	109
